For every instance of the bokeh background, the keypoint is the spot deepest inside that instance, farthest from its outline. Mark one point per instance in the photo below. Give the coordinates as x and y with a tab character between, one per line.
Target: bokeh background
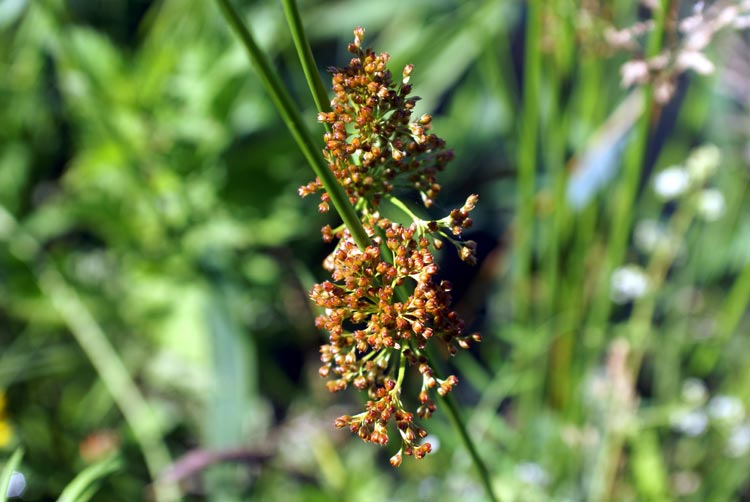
155	258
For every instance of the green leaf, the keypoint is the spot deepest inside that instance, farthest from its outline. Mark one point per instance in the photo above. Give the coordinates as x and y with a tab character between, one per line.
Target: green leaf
86	483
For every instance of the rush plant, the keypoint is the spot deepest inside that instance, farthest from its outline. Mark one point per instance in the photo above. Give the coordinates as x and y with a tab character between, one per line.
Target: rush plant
384	304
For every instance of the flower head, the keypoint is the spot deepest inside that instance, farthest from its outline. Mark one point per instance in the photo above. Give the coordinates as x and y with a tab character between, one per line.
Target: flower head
374	145
384	303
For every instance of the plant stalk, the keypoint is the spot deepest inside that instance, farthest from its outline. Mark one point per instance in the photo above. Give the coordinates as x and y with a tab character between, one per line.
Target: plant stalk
523	228
627	190
103	357
304	52
294	122
458	423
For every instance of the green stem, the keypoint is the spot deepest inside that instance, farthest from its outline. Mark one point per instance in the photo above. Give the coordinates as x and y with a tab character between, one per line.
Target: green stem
401	369
458	423
625	197
460	426
294	122
317	88
396	202
527	157
557	372
103	357
639	329
735	306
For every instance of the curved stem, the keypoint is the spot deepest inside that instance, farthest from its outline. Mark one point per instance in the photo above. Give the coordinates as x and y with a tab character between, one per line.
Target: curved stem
396	202
101	354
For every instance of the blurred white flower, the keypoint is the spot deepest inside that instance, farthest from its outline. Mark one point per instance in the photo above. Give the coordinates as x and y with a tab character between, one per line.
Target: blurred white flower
726	409
686	482
703	163
634	72
697	40
628	283
663	90
618	38
738	442
690	23
17	485
741	22
660	61
671	182
711	205
727	15
694	391
647	233
689	422
650	235
532	473
696	61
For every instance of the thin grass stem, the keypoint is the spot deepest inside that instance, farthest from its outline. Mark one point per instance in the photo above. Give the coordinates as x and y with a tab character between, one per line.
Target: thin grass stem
625	197
304	52
103	357
454	415
527	158
283	102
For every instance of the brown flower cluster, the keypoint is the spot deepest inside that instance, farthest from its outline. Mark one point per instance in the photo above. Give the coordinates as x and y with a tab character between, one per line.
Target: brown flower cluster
384	303
373	146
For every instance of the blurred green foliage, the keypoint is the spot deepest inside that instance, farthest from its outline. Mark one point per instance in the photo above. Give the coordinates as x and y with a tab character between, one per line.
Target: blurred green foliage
149	222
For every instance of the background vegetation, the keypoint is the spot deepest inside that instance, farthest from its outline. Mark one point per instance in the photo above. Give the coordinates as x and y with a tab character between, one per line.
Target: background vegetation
155	259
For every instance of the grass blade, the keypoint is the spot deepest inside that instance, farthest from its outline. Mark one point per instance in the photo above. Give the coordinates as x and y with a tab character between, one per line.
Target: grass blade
85	484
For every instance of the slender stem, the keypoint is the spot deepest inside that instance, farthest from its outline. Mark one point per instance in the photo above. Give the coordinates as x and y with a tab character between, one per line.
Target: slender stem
527	157
294	122
103	357
735	306
556	372
458	423
639	328
317	88
627	190
460	426
401	369
396	202
114	374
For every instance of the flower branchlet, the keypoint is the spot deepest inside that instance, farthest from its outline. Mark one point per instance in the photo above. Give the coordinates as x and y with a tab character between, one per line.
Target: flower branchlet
385	303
